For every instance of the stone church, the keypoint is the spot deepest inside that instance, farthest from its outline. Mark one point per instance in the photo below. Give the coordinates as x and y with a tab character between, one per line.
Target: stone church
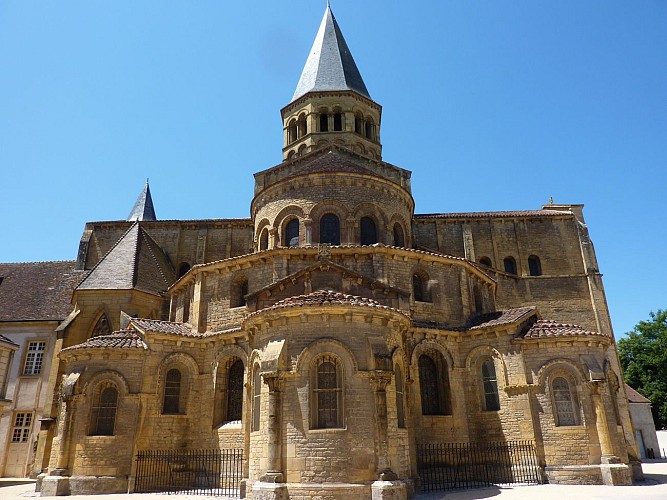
334	336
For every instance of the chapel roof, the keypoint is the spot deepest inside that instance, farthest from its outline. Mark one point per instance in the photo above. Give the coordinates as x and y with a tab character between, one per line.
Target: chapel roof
330	65
494	215
325	298
544	328
634	396
158	326
122	339
37	291
135	261
143	208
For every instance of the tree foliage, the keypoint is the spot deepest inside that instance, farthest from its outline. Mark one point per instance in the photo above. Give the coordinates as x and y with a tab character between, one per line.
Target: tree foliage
643	355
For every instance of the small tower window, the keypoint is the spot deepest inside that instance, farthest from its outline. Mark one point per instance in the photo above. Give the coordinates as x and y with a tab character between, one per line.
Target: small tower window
399	238
358	123
369	234
291	132
264	239
302	126
420	292
485	261
510	265
534	265
292	233
338	122
330	229
369	129
324	122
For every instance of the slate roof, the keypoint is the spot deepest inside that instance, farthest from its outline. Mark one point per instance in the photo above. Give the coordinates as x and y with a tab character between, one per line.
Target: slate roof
143	208
330	65
134	262
325	298
634	396
494	215
122	339
37	291
543	328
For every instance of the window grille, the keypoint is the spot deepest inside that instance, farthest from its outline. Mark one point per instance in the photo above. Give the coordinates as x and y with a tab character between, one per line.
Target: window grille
34	358
172	392
490	383
235	392
22	425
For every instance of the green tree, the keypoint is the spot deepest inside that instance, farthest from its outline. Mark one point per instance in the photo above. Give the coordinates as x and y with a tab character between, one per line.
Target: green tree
643	355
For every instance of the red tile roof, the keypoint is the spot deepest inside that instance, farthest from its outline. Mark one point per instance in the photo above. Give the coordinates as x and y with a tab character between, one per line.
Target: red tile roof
157	326
326	298
552	329
500	317
37	291
123	339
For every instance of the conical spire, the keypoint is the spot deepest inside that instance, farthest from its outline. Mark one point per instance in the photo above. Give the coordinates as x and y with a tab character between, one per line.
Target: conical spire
143	208
330	65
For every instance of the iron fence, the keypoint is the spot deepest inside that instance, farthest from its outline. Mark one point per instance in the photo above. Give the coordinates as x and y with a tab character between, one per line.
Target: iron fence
449	466
196	472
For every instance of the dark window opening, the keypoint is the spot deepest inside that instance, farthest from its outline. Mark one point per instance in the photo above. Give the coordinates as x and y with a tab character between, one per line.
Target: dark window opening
292	233
434	385
183	269
238	293
235	391
330	229
102	327
324	122
369	129
338	122
399	238
291	132
172	392
510	265
369	234
264	240
485	261
534	266
186	307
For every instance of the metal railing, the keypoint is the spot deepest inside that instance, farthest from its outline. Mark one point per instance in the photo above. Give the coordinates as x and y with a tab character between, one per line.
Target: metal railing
449	466
195	472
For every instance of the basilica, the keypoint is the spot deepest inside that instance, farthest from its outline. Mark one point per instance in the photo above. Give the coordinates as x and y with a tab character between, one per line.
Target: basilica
336	343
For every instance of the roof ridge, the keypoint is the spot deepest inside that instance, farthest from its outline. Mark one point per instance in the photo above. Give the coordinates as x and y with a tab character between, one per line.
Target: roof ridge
150	241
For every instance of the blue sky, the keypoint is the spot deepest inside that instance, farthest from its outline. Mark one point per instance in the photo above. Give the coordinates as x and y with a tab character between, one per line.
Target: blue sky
493	105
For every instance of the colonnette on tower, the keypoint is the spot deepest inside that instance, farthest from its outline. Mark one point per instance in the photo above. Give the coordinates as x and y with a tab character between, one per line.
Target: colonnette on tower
329	340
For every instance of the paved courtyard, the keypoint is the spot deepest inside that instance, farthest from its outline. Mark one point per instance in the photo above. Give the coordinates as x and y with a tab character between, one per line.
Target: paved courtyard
654	487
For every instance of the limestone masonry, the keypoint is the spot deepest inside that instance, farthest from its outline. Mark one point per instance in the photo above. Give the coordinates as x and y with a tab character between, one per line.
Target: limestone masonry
330	336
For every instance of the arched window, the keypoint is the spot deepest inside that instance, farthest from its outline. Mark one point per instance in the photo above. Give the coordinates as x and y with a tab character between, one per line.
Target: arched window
434	384
400	408
238	292
186	305
534	266
264	239
399	237
256	398
485	261
420	291
564	403
358	123
172	392
235	392
102	327
291	132
330	229
302	126
477	296
338	122
369	234
327	394
103	411
292	233
183	269
510	265
369	129
324	122
490	385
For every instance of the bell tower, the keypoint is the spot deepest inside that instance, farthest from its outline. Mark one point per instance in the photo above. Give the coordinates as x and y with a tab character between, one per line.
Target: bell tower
331	104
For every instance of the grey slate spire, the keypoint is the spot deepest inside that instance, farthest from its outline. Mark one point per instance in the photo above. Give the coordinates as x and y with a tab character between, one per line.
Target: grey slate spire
330	65
143	207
